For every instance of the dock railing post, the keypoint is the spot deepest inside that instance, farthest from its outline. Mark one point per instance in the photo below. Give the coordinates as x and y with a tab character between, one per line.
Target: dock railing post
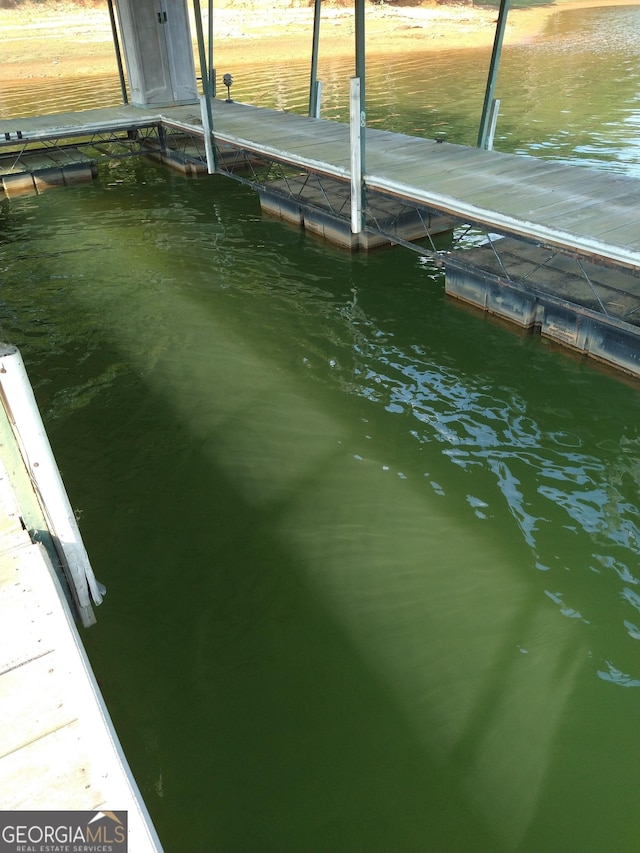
24	416
356	119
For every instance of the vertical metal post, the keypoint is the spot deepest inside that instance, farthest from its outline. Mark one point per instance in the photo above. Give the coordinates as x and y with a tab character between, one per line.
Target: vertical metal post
483	133
116	45
360	50
317	100
313	85
197	14
209	151
358	102
162	139
212	70
205	101
355	152
493	121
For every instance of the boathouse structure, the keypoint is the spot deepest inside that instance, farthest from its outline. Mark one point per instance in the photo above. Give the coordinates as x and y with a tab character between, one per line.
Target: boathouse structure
550	247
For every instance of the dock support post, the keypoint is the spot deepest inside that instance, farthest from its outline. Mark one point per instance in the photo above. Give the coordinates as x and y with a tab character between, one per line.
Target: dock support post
483	133
316	104
206	134
212	70
116	45
205	98
24	416
355	144
493	121
358	121
360	61
314	99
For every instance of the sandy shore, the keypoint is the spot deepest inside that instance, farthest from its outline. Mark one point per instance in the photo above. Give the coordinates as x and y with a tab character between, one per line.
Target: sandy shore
73	40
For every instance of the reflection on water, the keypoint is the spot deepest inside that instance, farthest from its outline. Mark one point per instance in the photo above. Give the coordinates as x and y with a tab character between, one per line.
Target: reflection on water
372	561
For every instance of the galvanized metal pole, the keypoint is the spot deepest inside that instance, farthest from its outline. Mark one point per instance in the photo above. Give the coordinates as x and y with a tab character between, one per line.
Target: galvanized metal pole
317	100
314	101
355	151
361	98
360	52
493	121
209	151
483	133
212	70
206	90
197	14
116	45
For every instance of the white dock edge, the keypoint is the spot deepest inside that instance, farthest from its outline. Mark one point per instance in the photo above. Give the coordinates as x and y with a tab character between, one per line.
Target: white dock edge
58	747
19	403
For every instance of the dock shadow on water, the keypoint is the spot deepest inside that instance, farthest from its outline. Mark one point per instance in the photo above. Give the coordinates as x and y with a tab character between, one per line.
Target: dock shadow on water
371	560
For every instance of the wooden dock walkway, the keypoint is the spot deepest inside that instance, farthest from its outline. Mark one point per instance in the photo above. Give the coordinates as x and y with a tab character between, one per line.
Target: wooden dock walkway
588	216
595	214
58	747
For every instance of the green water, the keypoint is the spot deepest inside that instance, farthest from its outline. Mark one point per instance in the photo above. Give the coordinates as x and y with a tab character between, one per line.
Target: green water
371	560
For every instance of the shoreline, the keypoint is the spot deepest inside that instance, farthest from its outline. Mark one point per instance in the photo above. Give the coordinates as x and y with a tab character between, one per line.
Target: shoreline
70	41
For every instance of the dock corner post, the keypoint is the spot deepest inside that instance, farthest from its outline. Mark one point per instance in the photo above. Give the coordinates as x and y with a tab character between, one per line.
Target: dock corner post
356	137
483	133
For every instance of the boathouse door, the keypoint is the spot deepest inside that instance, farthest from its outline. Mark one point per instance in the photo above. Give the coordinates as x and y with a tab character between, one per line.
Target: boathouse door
158	52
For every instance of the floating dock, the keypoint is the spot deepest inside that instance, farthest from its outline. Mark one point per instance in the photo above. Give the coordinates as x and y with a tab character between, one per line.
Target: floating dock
29	174
584	306
58	748
562	220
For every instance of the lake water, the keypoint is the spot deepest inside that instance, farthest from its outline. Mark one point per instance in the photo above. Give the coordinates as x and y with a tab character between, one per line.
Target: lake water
371	560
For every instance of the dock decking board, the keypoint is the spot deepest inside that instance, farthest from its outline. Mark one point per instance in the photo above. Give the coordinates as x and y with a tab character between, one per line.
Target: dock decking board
58	749
564	206
426	166
514	187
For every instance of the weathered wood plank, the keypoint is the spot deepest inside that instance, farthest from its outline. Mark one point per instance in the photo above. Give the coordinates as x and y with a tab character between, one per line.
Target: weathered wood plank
627	234
58	749
38	703
501	189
